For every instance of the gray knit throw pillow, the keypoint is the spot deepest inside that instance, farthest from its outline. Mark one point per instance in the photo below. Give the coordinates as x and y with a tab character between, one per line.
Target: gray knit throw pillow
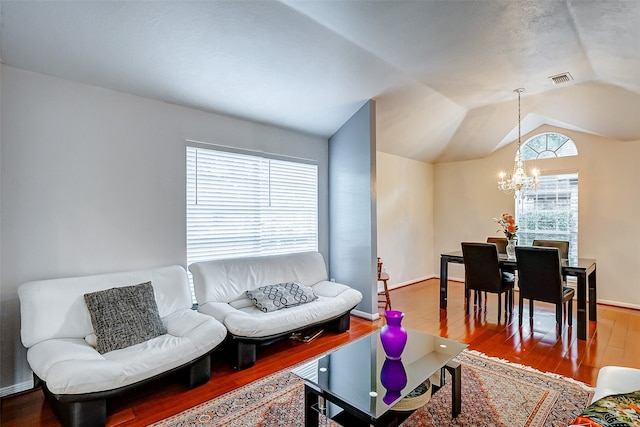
282	295
122	317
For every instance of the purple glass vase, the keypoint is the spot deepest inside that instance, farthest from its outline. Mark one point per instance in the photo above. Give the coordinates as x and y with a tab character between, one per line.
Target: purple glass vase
393	377
392	335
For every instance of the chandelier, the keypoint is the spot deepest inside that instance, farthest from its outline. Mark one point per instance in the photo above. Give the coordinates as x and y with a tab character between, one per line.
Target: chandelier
518	181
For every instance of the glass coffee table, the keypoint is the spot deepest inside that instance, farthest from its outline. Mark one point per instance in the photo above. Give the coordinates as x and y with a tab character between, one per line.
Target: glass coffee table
357	385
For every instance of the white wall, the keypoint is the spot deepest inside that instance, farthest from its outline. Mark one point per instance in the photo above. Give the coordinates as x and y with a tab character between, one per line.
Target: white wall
466	199
93	181
405	218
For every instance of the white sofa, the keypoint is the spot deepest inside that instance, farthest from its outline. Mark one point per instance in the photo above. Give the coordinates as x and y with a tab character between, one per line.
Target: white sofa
57	332
221	285
616	380
611	381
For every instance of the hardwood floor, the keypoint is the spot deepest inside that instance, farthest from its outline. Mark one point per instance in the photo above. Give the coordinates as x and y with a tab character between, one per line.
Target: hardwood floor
613	340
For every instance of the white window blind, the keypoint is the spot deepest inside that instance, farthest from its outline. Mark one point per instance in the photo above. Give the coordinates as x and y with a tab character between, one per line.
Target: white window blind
246	205
550	212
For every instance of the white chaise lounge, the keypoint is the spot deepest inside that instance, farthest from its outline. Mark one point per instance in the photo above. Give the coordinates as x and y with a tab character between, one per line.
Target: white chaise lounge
63	349
221	291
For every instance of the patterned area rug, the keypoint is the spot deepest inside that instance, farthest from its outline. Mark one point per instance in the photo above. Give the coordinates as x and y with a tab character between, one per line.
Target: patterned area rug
494	393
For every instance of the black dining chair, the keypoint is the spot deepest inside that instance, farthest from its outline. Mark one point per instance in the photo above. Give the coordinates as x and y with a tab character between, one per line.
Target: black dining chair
562	245
483	274
500	242
540	279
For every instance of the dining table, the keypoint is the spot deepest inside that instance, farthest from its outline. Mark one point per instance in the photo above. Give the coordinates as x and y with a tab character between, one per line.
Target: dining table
584	269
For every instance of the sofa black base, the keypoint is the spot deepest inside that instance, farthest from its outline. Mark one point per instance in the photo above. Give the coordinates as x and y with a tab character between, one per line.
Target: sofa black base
244	350
90	409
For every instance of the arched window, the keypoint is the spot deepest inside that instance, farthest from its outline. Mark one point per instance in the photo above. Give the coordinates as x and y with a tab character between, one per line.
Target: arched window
547	146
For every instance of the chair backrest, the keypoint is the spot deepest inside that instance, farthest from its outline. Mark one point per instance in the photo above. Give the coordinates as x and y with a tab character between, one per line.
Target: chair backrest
481	265
539	273
379	267
500	242
562	245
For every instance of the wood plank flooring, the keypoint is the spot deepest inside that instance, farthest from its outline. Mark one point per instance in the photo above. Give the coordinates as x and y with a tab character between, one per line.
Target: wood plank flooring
613	340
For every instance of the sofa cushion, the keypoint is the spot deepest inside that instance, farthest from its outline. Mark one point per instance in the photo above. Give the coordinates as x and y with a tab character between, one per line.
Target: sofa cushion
71	366
124	316
282	295
251	322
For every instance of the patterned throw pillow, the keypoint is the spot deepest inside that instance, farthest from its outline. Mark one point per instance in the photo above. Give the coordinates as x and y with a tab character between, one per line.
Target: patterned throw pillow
122	317
618	410
275	297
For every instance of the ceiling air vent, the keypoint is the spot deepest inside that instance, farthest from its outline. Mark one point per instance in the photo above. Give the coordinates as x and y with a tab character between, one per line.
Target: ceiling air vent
561	78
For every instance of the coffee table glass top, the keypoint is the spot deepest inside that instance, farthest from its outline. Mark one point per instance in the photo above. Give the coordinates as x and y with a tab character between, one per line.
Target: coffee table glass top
353	374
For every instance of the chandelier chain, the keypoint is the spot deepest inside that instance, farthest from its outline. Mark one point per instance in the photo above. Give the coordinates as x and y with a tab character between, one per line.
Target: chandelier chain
518	182
519	91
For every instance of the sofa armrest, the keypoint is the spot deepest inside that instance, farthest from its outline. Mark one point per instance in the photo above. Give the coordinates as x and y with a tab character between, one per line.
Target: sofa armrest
616	380
217	310
201	329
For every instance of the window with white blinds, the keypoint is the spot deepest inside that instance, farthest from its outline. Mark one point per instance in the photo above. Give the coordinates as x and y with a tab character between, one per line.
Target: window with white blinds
550	212
246	205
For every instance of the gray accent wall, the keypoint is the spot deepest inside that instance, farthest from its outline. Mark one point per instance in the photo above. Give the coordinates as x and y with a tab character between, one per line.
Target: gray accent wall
352	206
94	181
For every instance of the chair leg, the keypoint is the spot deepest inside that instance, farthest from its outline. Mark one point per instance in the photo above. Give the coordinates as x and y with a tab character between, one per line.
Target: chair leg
559	318
530	309
507	299
477	298
511	301
500	308
520	306
466	299
570	313
387	305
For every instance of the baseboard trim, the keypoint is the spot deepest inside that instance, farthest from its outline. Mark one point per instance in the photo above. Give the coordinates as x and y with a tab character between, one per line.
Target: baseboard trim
618	304
16	388
411	282
368	316
414	281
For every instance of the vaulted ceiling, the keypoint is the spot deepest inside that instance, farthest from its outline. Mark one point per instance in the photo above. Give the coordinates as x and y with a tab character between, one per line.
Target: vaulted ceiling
443	73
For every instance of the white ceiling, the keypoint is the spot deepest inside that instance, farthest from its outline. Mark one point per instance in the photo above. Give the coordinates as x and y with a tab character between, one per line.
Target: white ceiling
442	72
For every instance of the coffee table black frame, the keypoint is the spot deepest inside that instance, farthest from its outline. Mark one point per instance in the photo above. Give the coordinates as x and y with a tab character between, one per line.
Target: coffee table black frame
319	395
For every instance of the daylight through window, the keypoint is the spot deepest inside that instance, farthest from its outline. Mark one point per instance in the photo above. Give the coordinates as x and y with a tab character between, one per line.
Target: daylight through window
550	212
548	145
246	205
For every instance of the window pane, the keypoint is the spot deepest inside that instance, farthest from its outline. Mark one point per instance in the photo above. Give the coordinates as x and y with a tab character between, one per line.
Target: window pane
539	143
555	141
567	149
528	153
550	212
